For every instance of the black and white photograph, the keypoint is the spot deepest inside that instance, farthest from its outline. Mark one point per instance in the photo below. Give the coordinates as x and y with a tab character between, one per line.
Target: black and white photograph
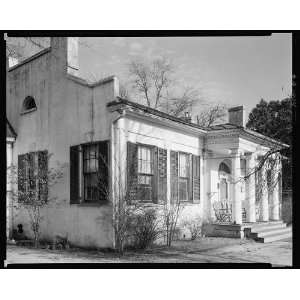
158	149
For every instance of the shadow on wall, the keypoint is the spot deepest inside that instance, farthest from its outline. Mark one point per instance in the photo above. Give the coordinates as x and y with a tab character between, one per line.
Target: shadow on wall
287	206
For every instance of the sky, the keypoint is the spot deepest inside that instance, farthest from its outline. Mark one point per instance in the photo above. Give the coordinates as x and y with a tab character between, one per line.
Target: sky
228	70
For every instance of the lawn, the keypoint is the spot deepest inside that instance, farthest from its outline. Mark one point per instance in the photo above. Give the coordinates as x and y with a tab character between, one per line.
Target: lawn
203	250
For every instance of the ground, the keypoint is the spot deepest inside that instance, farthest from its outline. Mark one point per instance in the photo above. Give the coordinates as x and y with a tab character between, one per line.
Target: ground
204	250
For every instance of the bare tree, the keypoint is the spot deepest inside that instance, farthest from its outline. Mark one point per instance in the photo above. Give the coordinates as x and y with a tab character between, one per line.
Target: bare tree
33	194
155	83
211	115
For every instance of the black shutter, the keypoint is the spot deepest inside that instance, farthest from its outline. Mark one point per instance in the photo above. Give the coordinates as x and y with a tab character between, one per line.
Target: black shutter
162	175
74	175
196	179
103	170
21	176
155	175
190	180
132	168
43	175
174	176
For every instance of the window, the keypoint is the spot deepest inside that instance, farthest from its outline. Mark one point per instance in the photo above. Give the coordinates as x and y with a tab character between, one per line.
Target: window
145	173
29	104
89	173
183	176
32	176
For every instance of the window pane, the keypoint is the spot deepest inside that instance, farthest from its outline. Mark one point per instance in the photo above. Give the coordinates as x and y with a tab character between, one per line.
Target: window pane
91	187
183	165
144	160
183	193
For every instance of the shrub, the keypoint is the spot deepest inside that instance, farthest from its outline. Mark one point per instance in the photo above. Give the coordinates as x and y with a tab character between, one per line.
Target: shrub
194	226
145	228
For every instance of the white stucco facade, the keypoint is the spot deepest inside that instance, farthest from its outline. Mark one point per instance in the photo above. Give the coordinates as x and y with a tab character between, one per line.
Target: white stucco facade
71	111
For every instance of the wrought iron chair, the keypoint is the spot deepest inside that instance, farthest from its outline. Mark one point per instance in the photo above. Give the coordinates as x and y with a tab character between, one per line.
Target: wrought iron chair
223	212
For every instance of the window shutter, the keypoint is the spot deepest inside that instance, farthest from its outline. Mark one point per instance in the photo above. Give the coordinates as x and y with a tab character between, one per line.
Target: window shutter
43	175
196	179
74	175
132	166
190	180
162	175
21	176
155	175
103	170
174	176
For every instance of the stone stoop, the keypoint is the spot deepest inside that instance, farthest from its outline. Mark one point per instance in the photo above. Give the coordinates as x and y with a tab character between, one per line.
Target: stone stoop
266	232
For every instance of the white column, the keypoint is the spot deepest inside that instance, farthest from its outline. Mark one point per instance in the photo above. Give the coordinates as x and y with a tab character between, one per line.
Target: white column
250	187
236	187
275	194
264	195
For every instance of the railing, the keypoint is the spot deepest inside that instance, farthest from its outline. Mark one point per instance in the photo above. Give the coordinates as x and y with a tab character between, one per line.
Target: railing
223	212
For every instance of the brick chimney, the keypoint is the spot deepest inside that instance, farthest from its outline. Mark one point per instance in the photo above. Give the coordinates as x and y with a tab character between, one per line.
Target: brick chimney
187	117
237	116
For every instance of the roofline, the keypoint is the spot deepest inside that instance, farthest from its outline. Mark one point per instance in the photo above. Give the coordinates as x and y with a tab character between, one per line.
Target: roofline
11	128
153	111
33	57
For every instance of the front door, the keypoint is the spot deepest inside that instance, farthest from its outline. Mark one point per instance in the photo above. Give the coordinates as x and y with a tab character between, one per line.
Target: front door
223	190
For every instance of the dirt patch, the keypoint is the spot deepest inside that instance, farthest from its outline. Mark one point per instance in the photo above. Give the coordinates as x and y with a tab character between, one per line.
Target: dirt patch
204	250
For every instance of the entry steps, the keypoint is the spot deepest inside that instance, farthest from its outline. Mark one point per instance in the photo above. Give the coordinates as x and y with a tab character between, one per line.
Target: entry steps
266	232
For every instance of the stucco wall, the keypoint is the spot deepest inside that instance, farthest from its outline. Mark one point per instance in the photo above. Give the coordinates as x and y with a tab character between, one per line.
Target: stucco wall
68	113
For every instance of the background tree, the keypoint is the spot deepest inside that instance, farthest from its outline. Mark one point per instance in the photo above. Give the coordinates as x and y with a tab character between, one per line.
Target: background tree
156	85
274	119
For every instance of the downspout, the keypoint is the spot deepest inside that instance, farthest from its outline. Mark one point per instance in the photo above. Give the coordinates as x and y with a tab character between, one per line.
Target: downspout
9	203
114	124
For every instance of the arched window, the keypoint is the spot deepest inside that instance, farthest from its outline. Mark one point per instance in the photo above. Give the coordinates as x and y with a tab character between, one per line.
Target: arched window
29	104
224	168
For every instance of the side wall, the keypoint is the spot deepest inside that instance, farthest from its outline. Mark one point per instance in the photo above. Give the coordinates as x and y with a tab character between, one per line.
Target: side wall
68	113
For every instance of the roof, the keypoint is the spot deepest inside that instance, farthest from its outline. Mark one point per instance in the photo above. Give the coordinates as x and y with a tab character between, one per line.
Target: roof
226	126
10	132
153	111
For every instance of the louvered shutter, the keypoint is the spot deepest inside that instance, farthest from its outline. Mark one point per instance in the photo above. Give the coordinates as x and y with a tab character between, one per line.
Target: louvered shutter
103	170
132	177
21	176
43	175
174	176
196	179
162	175
74	175
155	175
190	180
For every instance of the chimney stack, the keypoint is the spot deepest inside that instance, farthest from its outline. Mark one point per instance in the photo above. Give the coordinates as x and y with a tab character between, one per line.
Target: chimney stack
237	116
187	117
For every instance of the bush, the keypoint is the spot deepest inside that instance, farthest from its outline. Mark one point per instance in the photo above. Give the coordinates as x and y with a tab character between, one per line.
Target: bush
194	226
145	228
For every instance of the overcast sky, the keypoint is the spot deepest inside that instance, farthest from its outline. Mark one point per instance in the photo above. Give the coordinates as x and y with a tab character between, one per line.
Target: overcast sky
231	70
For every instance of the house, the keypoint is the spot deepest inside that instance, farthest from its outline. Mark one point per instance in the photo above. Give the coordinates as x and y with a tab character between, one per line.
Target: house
158	158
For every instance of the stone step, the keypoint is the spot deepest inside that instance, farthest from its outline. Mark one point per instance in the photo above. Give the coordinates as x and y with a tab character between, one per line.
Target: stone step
273	238
270	232
266	227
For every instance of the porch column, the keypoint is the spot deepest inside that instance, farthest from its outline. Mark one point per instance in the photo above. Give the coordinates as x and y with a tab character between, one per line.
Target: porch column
236	187
250	187
264	195
275	193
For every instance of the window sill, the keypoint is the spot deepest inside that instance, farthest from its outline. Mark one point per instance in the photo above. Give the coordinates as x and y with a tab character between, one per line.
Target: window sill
93	204
28	111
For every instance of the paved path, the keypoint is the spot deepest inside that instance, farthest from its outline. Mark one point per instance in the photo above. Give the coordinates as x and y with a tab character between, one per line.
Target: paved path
204	251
